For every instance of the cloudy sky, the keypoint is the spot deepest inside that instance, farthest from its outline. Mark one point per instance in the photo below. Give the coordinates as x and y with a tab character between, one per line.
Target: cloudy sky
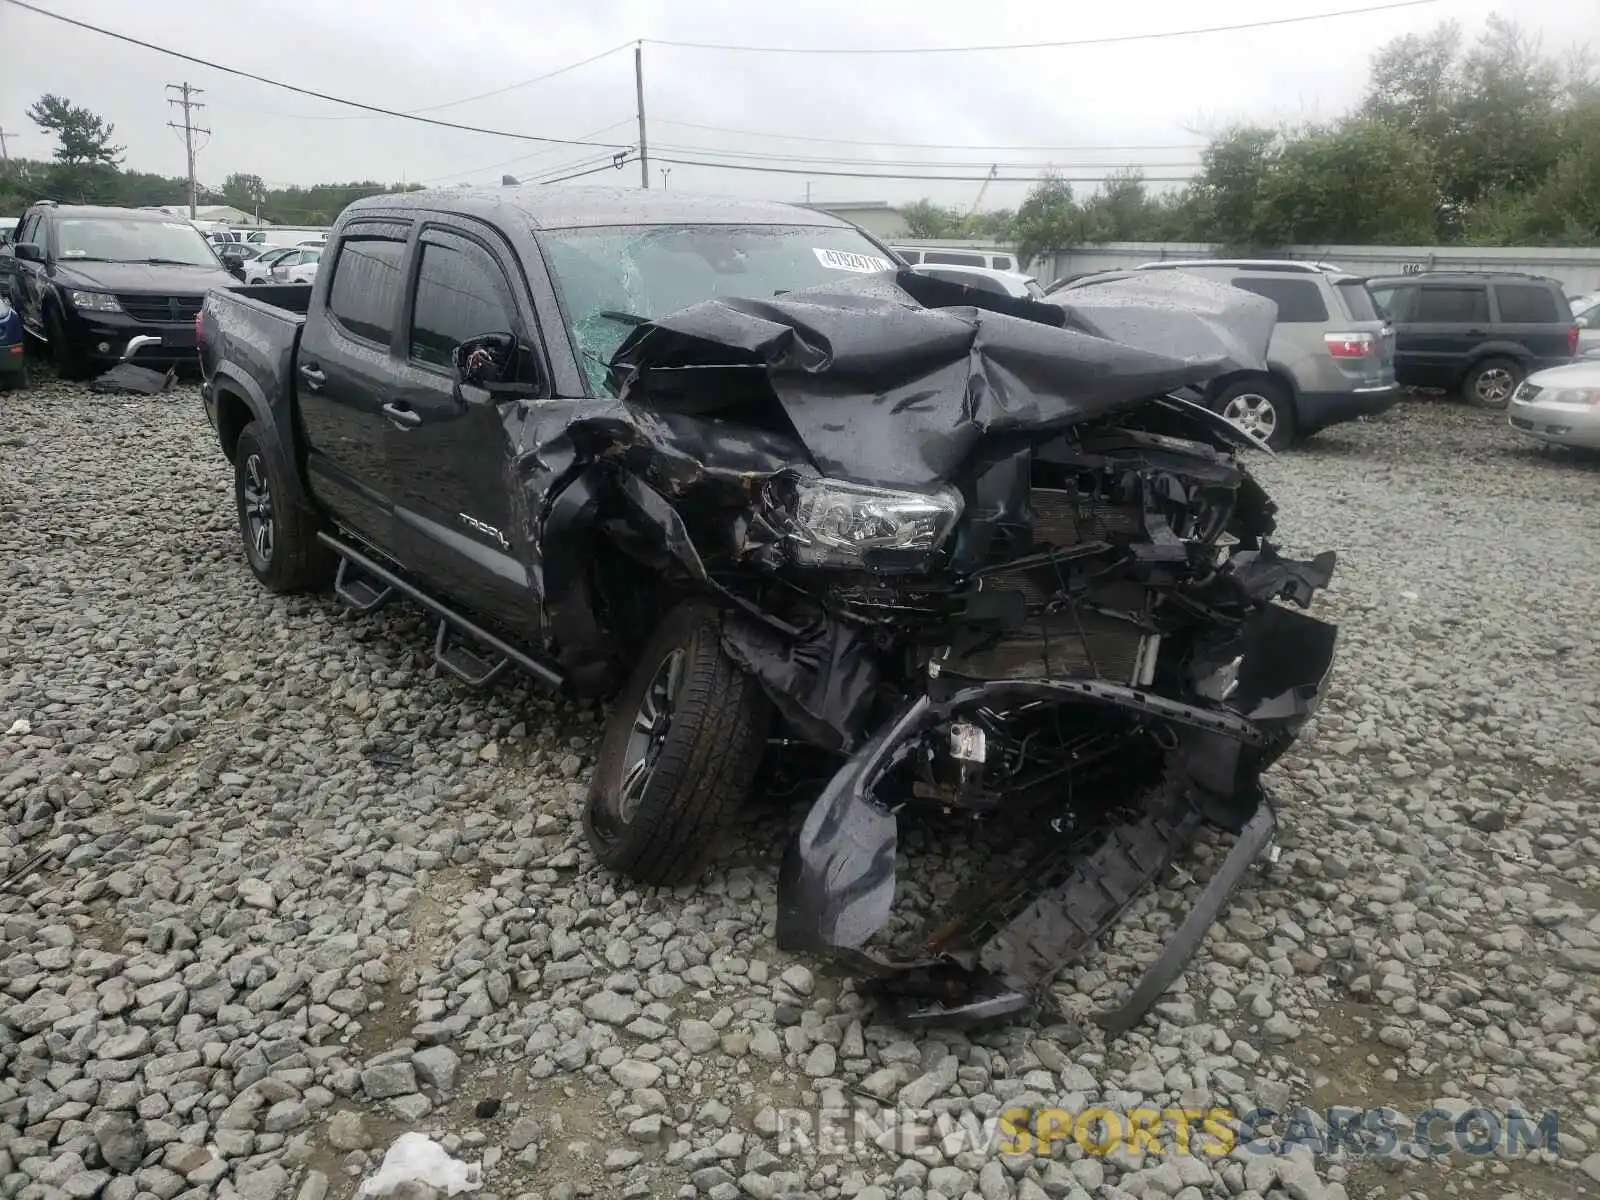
815	115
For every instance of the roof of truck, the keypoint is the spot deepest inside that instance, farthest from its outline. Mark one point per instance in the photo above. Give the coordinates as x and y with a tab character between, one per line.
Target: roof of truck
547	207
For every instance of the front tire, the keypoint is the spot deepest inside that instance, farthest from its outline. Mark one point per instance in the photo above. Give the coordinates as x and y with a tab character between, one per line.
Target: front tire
680	752
279	535
70	361
1260	407
1489	384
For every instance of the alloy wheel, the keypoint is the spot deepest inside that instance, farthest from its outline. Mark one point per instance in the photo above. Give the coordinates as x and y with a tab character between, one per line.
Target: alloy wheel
1494	386
1255	414
651	724
258	510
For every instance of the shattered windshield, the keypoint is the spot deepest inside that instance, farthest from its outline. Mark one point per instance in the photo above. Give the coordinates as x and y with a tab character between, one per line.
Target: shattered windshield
612	278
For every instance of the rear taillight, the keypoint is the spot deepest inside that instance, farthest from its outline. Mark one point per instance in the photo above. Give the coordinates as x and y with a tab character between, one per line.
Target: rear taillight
1572	341
1350	345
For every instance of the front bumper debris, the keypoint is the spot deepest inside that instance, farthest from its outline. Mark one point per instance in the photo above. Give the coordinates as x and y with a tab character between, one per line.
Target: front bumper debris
999	950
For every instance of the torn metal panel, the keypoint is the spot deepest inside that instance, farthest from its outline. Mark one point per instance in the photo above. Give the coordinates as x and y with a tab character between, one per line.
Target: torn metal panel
822	681
1001	948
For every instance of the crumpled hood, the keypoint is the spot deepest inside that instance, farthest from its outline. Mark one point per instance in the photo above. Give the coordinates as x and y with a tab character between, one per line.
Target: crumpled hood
897	379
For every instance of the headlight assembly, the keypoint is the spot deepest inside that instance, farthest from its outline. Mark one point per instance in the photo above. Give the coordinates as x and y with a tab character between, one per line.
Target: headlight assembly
95	302
837	523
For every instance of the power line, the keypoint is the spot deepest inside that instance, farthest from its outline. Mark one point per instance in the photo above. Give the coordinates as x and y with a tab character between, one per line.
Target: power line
411	112
690	162
1095	41
839	160
386	112
592	170
797	137
511	162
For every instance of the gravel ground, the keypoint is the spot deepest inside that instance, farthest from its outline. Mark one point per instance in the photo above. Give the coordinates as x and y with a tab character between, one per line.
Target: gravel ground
300	896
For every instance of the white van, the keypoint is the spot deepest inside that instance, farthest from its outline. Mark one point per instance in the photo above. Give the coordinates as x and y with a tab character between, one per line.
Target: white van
945	256
287	235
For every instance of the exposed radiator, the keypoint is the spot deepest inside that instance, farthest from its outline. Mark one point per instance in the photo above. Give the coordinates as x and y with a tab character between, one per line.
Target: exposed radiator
1063	518
1092	646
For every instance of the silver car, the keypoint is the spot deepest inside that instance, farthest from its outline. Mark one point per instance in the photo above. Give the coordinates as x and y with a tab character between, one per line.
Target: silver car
1560	406
1332	354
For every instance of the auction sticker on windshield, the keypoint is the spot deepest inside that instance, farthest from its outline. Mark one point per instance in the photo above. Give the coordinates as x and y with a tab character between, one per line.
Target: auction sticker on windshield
845	260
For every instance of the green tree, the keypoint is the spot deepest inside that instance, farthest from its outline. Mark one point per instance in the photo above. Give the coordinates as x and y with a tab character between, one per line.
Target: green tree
82	138
1493	115
243	192
1122	210
925	219
996	223
1049	219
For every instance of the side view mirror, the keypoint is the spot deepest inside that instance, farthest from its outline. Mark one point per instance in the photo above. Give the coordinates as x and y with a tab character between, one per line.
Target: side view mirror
236	269
495	362
29	251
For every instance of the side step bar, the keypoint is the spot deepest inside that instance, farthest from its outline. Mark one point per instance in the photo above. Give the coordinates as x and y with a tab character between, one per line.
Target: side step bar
359	594
461	662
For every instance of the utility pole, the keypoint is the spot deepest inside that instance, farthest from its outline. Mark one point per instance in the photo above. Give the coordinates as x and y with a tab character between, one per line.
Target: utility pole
189	130
5	155
638	83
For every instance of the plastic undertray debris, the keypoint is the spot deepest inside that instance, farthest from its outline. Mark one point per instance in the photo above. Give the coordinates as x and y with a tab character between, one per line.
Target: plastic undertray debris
129	379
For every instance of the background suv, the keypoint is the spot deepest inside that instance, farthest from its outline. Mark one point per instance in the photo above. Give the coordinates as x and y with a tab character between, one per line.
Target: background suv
1477	332
103	284
1331	358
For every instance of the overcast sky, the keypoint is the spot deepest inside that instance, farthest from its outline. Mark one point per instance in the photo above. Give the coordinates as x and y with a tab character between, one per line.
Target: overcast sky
1146	103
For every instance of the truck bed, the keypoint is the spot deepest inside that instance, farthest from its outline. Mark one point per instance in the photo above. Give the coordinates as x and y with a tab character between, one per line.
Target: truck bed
287	297
249	338
250	334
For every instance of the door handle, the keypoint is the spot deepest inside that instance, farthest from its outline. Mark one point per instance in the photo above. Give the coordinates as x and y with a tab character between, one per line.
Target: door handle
313	377
404	417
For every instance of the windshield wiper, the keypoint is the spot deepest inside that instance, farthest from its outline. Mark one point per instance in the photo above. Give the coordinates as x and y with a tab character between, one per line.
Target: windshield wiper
622	318
169	262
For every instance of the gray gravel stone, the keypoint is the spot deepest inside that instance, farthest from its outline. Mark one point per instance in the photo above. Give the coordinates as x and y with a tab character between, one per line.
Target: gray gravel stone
294	865
437	1067
388	1080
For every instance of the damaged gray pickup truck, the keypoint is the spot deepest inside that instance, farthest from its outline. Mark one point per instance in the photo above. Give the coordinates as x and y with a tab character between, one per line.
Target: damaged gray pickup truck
733	469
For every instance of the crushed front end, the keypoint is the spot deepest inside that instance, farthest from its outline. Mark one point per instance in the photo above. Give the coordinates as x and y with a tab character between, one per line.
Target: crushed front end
1106	664
989	556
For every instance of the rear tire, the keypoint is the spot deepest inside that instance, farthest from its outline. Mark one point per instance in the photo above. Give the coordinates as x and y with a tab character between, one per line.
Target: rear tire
680	752
279	535
1489	384
1261	407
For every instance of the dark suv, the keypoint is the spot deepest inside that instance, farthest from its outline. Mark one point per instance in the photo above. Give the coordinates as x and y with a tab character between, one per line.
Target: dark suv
1477	332
100	285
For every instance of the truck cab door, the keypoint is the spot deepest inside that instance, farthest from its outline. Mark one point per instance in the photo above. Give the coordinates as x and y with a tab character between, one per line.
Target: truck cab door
450	444
345	371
